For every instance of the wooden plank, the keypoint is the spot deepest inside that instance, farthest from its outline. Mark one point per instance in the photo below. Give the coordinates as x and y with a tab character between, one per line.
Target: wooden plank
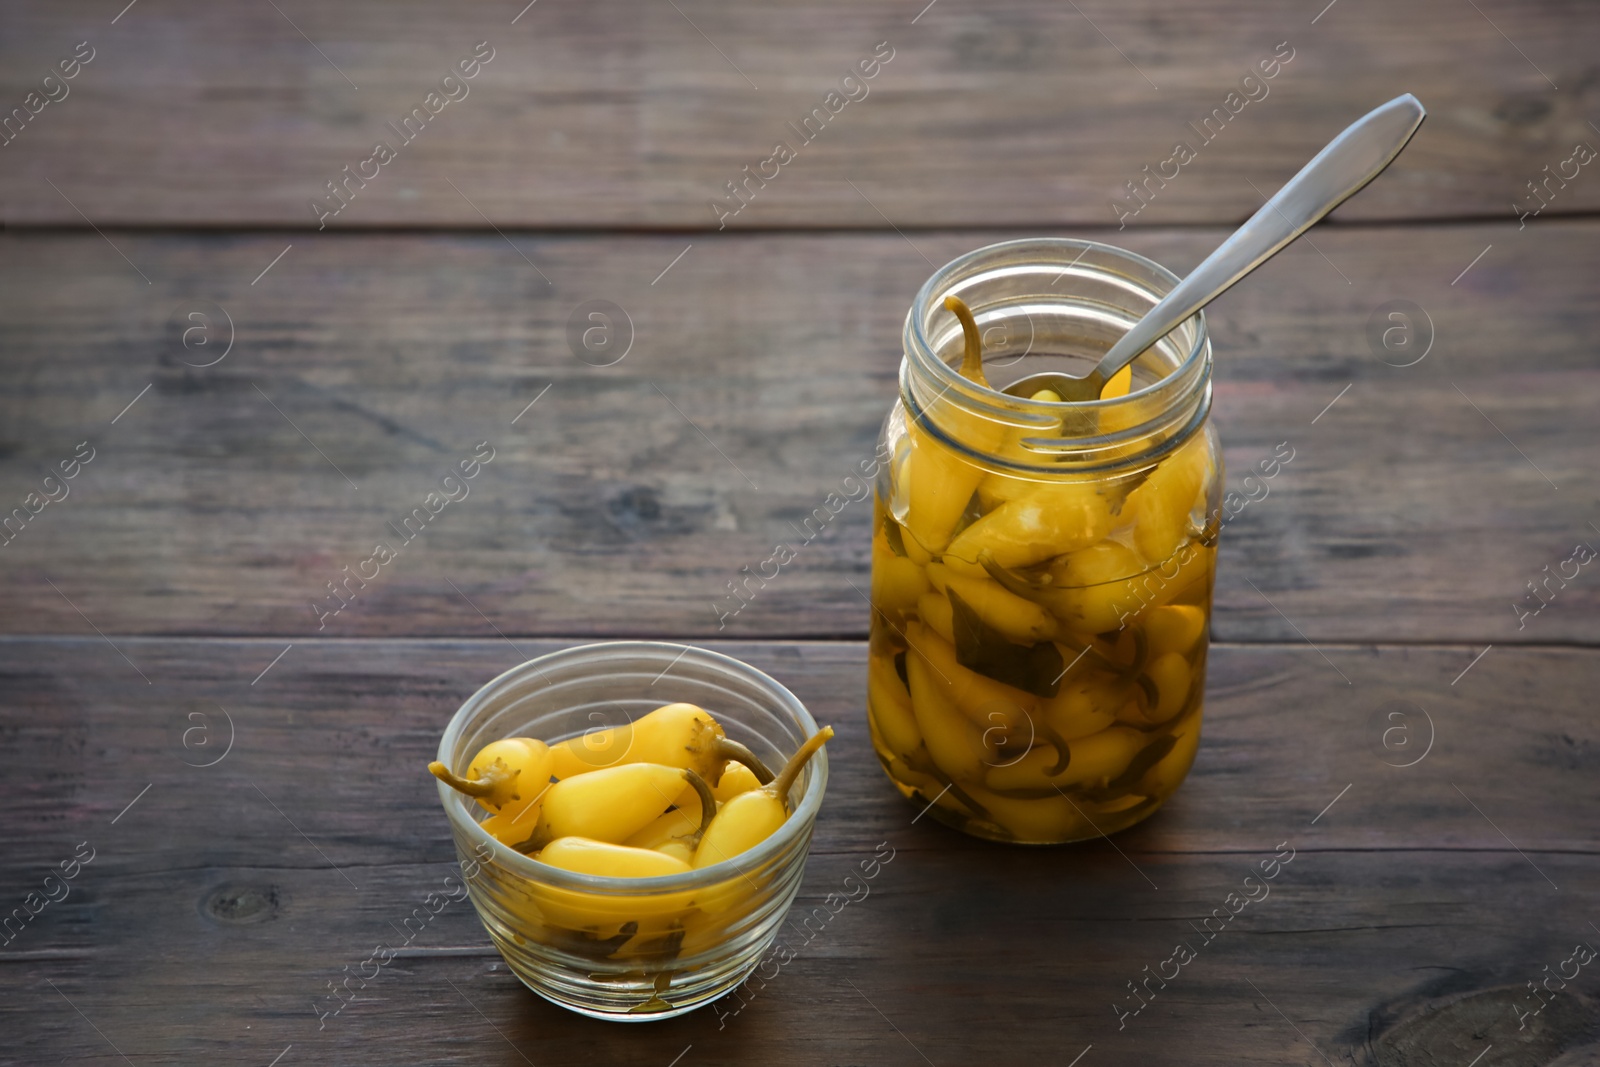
619	114
628	497
1402	894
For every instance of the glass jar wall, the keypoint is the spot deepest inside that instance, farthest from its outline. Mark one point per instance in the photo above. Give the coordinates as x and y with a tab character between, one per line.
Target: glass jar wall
1042	570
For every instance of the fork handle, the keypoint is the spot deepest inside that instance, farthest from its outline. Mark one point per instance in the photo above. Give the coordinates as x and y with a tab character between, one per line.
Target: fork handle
1338	172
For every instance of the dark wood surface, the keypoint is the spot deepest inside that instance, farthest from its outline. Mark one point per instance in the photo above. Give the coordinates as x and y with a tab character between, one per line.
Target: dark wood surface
171	590
619	113
1403	516
1400	895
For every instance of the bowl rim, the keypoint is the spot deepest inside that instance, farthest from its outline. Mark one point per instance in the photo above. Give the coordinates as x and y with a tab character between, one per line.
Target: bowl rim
799	821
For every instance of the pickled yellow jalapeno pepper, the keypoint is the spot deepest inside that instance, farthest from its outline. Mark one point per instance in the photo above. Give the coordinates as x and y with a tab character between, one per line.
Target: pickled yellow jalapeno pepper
613	803
506	777
676	735
736	779
679	826
751	817
587	856
935	481
633	818
1038	641
604	821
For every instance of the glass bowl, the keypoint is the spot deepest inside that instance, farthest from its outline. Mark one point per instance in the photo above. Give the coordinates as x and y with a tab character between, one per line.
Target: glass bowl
632	949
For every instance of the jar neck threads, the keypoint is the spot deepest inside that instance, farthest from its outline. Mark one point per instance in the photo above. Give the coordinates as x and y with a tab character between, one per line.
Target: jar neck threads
1052	304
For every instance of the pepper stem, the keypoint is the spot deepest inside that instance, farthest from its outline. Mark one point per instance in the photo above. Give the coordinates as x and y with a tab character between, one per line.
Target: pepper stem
726	749
540	837
972	359
785	781
708	804
1063	751
472	787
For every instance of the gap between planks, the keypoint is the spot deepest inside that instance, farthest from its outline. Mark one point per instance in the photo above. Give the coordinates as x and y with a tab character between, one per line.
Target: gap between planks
456	230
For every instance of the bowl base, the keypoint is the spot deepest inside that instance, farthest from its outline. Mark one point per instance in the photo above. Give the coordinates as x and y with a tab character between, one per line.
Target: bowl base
635	1002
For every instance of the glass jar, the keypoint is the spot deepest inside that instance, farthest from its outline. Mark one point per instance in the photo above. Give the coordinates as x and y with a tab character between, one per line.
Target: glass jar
1042	570
632	949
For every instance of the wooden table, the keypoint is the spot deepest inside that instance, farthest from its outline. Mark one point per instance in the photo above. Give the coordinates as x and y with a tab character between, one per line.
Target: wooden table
248	401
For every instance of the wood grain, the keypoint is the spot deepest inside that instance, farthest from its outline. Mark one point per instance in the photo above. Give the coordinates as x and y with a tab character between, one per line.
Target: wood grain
636	115
1440	795
207	925
224	501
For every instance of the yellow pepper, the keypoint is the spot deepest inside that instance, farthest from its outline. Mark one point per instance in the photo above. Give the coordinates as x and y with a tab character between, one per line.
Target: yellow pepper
1160	507
684	821
678	850
507	777
890	705
1096	759
585	856
612	804
914	550
598	917
1117	386
1174	628
957	565
509	830
1085	706
1021	620
665	829
677	735
934	483
1103	586
1165	777
736	779
1184	576
750	818
897	582
1163	691
985	702
954	744
1094	590
1115	420
938	614
997	488
1045	818
1169	675
902	772
1040	524
1195	572
932	489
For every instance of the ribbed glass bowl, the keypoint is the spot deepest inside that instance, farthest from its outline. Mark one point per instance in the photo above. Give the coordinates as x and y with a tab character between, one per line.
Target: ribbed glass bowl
632	949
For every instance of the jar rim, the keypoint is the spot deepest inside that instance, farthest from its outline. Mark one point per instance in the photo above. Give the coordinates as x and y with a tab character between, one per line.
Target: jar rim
1179	400
939	280
799	822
